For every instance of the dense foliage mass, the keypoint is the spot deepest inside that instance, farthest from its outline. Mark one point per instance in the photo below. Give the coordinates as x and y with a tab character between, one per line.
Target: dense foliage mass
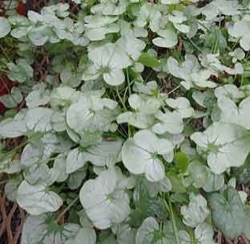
139	131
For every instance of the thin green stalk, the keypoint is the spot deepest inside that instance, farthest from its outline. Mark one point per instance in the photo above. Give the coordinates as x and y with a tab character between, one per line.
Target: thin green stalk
120	98
170	210
194	45
176	88
67	209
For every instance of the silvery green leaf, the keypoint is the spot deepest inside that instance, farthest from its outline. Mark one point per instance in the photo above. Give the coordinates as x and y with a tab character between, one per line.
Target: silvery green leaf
39	119
36	199
131	45
228	212
4	27
190	72
231	113
196	212
139	154
147	88
75	179
58	122
70	78
240	31
38	174
13	99
167	39
170	122
110	8
229	91
204	234
104	201
62	96
93	116
75	160
149	14
11	187
226	145
40	35
32	154
12	128
39	96
246	230
105	153
182	106
154	188
43	229
198	173
84	235
136	119
21	71
110	59
145	234
59	168
8	164
97	26
125	234
144	104
217	7
237	54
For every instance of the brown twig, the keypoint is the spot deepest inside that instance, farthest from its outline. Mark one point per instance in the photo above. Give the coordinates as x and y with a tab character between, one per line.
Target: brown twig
3	214
19	228
219	237
8	224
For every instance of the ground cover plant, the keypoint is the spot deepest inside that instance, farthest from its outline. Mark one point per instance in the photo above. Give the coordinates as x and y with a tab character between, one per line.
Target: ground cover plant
136	129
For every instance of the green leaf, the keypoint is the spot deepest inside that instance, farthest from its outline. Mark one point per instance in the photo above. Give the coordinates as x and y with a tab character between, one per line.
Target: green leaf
228	212
181	161
148	60
177	185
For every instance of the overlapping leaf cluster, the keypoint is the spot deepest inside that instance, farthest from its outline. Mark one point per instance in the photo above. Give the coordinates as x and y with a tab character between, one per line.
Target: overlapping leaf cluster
140	132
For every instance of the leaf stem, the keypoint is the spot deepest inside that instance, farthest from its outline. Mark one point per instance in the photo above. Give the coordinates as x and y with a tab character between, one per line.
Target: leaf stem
120	98
170	209
67	209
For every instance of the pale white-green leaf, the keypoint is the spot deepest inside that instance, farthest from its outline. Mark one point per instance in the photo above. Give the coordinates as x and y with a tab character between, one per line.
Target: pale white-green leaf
4	27
104	201
39	119
167	39
170	122
42	229
204	234
226	145
196	211
36	199
139	154
12	128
